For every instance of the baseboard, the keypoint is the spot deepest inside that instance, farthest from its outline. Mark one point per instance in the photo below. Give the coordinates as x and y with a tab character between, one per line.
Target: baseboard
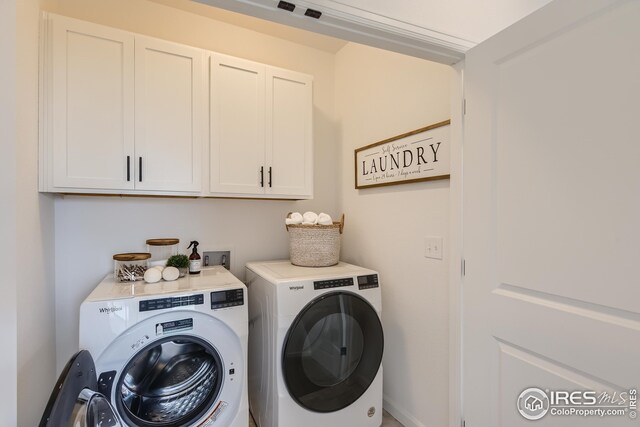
400	414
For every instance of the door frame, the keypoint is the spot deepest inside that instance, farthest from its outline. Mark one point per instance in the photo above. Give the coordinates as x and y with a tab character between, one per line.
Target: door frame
456	260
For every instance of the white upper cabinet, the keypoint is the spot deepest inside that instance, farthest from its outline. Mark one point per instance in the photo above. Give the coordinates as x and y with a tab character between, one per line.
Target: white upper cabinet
237	132
261	130
121	113
124	113
289	147
88	114
168	116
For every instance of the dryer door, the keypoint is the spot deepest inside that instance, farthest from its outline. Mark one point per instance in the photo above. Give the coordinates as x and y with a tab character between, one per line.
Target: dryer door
332	352
75	401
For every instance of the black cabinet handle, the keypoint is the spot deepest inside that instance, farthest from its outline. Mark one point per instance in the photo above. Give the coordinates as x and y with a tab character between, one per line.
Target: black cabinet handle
261	176
128	168
269	176
140	169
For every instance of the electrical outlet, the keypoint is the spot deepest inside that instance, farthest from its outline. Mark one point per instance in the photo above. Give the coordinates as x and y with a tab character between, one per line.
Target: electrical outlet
433	247
211	258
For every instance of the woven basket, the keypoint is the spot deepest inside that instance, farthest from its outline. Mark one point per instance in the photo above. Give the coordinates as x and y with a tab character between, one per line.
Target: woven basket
315	245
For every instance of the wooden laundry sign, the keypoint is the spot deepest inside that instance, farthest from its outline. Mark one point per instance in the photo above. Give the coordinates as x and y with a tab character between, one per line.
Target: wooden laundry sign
419	155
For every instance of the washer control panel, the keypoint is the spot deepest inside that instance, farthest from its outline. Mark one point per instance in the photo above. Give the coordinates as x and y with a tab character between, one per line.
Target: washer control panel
333	283
171	302
224	299
368	281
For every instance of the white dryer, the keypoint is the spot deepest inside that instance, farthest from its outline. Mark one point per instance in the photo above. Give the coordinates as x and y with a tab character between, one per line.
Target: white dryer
315	345
166	354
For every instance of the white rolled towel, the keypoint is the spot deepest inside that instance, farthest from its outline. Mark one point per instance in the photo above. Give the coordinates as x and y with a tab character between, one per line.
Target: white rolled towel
294	218
324	219
310	218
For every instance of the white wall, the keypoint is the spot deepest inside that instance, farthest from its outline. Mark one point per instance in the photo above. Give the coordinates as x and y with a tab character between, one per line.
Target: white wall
8	255
89	230
34	228
380	94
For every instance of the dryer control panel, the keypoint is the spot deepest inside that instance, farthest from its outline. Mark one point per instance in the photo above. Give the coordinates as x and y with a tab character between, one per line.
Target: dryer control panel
162	303
224	299
368	281
333	283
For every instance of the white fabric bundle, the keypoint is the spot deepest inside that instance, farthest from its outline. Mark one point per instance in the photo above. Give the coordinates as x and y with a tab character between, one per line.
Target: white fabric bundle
294	218
310	218
324	219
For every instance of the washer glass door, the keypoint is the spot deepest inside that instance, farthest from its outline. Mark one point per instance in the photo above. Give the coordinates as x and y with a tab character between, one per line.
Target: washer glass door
92	409
74	400
171	382
332	352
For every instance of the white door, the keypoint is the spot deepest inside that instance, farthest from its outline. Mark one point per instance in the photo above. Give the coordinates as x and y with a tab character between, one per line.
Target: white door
169	116
551	295
91	106
289	141
237	126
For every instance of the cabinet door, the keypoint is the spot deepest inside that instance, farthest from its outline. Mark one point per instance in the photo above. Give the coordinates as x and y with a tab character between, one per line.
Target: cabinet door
89	107
289	137
168	111
237	157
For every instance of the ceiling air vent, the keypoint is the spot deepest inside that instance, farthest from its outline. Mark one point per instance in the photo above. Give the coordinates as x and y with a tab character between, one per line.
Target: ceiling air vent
286	5
313	13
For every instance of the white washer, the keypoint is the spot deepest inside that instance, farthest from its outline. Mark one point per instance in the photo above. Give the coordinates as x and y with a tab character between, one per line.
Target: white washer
316	345
170	353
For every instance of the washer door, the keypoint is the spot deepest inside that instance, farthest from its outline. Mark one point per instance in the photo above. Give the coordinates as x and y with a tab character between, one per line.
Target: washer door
74	401
171	382
332	352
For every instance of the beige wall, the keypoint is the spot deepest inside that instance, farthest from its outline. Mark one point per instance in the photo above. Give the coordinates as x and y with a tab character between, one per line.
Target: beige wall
380	94
89	230
8	256
34	227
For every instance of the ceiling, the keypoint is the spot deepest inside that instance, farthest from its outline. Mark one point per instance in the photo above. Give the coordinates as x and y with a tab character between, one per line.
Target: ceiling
437	30
307	38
